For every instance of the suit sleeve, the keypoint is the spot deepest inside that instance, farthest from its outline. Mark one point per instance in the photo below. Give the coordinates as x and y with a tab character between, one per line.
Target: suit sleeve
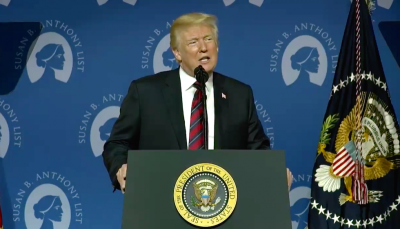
124	135
256	136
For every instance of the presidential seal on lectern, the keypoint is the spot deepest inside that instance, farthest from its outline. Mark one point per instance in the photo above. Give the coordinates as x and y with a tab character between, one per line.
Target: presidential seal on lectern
205	195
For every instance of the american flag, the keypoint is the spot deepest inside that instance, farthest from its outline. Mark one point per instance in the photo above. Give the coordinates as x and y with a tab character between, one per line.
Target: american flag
356	172
344	163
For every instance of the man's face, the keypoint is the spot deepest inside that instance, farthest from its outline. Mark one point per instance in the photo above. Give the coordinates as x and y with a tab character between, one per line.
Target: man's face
197	47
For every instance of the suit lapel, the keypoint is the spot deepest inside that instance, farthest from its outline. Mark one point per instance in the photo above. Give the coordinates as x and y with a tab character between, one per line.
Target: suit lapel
173	100
221	111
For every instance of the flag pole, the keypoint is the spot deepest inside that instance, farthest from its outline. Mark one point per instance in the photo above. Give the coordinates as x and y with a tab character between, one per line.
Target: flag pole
360	189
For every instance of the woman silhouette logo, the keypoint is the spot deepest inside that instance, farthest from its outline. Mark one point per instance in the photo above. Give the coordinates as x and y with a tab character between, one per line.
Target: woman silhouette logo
50	58
299	203
163	59
304	60
49	210
101	127
105	130
169	59
47	207
4	136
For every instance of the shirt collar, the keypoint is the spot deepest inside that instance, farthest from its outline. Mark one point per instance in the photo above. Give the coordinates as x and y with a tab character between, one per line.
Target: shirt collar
187	81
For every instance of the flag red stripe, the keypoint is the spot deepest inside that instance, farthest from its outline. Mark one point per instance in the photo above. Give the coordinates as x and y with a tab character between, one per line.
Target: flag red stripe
345	160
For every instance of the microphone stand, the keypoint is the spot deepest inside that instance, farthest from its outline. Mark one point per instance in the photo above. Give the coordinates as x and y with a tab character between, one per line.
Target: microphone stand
205	115
202	77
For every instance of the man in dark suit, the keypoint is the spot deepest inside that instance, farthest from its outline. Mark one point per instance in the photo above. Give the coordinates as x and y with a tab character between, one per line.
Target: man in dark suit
164	112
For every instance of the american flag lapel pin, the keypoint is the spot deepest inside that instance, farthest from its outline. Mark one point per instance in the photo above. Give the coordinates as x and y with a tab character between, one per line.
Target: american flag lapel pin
223	96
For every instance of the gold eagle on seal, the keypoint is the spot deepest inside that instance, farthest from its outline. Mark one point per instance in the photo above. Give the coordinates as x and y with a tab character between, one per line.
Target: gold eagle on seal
205	191
380	142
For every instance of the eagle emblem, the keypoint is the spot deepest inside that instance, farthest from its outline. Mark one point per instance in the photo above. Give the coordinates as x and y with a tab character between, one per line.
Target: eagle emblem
379	144
205	191
205	195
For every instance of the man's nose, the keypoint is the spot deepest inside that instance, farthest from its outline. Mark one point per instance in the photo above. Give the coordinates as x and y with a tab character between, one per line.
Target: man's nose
203	46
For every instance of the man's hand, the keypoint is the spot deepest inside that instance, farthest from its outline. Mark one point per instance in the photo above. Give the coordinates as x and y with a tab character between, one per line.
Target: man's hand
289	178
121	177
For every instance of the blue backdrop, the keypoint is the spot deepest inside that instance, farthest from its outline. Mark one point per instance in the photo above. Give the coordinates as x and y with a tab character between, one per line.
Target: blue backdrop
53	126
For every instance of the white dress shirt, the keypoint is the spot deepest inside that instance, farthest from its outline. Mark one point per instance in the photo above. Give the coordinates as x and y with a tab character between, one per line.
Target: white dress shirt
188	91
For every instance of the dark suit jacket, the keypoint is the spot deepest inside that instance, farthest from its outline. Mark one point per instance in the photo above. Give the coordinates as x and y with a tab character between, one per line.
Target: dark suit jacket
151	118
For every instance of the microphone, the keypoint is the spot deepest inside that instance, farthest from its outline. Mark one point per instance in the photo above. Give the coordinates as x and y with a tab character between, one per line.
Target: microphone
202	77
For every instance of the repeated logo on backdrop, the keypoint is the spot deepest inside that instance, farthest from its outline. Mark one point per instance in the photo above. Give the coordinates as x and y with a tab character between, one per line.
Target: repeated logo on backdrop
130	2
47	200
386	4
98	120
266	121
10	129
5	2
300	196
226	2
56	54
254	2
306	52
157	55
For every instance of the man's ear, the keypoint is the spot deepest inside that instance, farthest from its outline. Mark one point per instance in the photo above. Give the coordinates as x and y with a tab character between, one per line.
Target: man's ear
177	55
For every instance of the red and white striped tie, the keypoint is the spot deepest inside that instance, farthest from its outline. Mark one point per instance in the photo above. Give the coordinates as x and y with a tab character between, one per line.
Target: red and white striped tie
196	135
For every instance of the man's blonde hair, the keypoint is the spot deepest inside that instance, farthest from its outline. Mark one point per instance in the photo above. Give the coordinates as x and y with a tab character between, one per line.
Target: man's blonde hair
192	19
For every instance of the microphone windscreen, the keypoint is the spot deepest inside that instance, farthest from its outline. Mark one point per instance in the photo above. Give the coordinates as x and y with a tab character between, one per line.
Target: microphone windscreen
199	73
